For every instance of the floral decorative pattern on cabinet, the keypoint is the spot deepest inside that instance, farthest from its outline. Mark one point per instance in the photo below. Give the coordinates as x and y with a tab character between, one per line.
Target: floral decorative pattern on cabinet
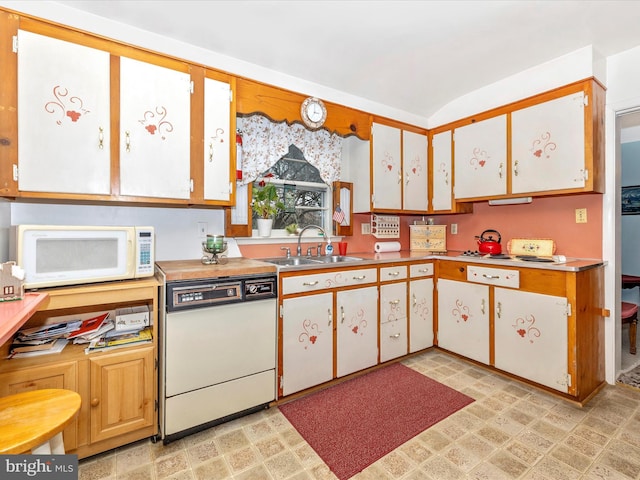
310	333
479	158
461	311
420	307
60	105
388	162
543	145
358	323
524	327
154	121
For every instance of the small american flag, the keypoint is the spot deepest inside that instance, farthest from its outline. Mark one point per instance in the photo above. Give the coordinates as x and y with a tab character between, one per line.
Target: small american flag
338	215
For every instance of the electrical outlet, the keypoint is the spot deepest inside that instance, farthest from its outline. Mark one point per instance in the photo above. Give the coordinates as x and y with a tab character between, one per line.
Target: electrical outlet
202	229
581	215
365	229
454	229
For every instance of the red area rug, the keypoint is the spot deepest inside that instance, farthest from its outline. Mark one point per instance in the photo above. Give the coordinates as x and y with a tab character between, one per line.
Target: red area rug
355	423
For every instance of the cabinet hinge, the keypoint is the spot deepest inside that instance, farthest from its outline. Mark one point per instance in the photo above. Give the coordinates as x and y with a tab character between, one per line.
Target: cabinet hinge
586	100
281	310
191	87
15	172
568	310
281	381
565	380
585	174
230	95
14	45
156	406
230	188
191	185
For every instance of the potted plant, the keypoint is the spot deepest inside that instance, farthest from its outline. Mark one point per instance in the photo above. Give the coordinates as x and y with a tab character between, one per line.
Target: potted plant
266	204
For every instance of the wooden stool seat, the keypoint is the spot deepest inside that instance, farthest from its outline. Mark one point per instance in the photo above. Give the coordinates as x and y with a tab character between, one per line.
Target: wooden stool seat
34	420
629	314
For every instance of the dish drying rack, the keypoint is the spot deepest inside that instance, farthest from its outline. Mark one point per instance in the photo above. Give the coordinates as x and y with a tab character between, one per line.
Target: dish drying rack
214	255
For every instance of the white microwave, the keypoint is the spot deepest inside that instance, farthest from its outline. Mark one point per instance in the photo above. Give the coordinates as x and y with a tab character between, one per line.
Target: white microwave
53	255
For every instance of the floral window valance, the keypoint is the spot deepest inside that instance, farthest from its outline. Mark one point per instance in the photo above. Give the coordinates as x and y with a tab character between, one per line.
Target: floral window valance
264	142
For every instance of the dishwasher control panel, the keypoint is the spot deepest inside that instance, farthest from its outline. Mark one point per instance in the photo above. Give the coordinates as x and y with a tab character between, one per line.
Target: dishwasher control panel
184	295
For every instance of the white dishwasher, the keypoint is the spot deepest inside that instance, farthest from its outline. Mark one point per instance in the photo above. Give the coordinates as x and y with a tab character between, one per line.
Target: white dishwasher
217	351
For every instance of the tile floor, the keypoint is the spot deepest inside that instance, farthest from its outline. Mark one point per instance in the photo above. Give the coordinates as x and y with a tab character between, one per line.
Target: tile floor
511	431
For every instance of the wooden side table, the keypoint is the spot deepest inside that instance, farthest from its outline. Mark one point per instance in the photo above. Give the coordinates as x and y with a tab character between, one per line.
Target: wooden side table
34	420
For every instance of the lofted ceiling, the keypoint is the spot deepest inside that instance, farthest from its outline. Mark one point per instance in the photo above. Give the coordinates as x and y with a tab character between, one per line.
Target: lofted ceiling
414	56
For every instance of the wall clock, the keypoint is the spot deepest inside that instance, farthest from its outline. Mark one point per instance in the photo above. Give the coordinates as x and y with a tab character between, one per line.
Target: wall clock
313	112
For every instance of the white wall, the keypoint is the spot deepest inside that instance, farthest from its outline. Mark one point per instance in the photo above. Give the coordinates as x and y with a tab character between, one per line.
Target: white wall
176	229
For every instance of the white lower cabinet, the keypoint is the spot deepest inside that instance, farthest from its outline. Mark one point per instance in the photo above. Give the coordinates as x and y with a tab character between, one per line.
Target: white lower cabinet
307	342
463	319
357	330
531	338
420	314
393	320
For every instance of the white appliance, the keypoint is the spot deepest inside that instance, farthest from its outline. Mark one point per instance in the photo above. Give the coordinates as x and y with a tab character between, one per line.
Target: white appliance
53	255
217	351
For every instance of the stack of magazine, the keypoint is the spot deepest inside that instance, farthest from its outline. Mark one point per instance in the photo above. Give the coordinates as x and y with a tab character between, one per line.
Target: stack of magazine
98	333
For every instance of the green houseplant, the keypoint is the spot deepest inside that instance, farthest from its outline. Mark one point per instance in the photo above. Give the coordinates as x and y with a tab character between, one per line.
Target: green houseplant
266	204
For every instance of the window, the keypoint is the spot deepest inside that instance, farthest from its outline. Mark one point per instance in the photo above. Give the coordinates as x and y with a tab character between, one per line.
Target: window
305	196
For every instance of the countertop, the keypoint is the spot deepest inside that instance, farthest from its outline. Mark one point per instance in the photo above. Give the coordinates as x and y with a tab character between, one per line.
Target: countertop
175	270
571	265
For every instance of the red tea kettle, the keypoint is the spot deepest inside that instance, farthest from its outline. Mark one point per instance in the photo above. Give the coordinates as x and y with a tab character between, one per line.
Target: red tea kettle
486	243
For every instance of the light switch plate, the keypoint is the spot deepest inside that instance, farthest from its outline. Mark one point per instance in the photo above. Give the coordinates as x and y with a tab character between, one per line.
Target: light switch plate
365	229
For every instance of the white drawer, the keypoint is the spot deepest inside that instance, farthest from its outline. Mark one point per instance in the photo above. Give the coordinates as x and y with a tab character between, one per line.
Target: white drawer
388	274
421	270
323	280
501	277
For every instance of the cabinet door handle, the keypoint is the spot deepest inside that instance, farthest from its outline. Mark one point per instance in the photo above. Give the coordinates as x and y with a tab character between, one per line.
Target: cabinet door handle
500	170
342	314
399	177
361	277
499	309
127	141
423	270
446	178
415	300
515	168
210	151
482	306
393	274
394	302
329	315
407	181
397	335
310	284
490	277
100	138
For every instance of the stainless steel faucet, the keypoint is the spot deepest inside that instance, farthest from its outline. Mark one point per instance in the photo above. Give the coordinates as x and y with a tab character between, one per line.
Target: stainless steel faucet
299	249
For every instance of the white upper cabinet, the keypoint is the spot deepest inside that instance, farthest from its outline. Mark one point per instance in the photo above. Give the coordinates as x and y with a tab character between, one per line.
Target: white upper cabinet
387	167
414	166
548	145
154	131
217	115
480	158
63	117
442	178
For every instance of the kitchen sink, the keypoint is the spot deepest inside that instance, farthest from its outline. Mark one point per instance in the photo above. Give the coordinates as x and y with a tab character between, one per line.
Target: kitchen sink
337	259
298	261
292	261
